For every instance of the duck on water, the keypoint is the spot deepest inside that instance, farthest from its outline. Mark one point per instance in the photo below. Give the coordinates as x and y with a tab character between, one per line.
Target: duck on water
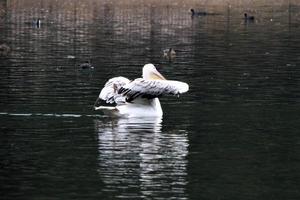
201	13
248	18
194	13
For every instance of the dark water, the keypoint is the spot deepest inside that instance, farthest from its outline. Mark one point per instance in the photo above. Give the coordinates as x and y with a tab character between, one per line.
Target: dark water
234	135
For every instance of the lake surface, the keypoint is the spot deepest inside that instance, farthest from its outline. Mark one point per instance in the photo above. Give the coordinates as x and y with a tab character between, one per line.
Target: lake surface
234	135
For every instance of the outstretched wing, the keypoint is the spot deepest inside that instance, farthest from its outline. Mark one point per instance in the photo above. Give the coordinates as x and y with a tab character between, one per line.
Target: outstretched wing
110	91
152	88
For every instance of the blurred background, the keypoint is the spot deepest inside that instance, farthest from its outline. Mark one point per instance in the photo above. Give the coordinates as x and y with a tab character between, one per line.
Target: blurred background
233	135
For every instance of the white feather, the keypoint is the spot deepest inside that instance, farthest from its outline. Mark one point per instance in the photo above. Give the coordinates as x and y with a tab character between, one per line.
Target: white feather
140	96
152	88
110	91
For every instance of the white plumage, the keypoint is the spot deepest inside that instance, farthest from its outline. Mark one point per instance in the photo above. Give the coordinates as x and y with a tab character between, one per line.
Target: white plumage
140	96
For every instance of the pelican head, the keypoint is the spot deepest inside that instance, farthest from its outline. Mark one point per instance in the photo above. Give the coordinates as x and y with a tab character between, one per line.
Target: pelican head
151	73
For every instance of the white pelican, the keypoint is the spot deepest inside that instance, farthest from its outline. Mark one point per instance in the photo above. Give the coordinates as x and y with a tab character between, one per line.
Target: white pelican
139	97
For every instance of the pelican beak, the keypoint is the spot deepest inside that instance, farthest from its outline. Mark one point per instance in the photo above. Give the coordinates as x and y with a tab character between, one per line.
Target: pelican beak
95	104
157	76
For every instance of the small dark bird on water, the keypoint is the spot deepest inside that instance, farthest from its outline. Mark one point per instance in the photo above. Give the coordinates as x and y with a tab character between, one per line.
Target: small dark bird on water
249	18
198	13
37	23
86	65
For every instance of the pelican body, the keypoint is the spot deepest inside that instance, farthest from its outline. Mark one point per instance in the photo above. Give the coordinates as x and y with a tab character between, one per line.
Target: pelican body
138	97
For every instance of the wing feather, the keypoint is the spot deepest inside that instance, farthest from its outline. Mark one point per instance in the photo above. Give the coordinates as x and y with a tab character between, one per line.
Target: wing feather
152	88
110	94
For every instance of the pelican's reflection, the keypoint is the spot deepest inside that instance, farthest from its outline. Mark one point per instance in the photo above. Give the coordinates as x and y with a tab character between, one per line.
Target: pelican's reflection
137	158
